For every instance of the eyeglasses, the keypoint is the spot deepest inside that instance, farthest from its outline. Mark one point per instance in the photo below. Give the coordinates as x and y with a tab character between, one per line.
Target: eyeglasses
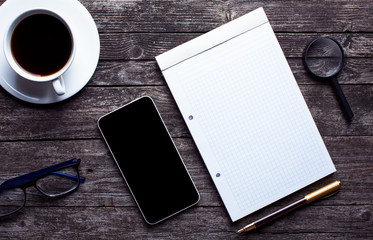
54	181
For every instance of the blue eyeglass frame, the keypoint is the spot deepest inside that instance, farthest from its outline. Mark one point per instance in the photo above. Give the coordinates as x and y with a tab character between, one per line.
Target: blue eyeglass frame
29	179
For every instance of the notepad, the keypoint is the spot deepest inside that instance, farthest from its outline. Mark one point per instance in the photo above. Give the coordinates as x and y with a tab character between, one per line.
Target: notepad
246	114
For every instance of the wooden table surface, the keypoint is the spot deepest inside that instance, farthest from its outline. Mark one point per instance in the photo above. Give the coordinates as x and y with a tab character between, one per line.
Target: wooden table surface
132	33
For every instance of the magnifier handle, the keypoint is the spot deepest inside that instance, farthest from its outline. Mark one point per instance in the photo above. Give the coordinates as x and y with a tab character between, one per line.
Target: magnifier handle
342	100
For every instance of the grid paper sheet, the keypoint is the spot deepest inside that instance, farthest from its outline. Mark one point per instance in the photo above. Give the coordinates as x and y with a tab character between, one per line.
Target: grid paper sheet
247	115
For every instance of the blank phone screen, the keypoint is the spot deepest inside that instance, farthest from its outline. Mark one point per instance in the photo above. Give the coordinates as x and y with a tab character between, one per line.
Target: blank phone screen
148	160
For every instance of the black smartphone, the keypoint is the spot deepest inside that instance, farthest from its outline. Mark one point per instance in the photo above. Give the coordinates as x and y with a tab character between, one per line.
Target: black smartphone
148	160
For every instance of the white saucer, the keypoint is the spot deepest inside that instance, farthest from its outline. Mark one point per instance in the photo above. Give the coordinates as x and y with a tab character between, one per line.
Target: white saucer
86	56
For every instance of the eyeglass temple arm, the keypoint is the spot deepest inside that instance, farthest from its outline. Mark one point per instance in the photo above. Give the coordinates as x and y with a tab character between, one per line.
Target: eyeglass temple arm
30	177
81	179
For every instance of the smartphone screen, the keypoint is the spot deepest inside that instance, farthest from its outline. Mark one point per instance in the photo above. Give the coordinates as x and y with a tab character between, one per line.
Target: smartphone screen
148	160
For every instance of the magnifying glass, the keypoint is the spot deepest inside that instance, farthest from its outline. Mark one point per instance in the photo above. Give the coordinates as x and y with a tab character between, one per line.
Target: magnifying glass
324	59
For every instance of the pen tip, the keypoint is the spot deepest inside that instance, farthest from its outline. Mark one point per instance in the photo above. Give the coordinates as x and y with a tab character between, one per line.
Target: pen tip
246	228
240	231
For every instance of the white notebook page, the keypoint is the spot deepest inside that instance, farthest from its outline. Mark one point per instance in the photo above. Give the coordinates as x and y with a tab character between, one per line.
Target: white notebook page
246	114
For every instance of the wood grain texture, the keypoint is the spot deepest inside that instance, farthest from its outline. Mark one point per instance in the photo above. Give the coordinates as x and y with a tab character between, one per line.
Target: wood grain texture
105	187
132	33
202	16
77	117
145	46
212	222
138	73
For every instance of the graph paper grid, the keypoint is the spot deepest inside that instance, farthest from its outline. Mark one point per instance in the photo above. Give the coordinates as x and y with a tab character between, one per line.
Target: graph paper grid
249	120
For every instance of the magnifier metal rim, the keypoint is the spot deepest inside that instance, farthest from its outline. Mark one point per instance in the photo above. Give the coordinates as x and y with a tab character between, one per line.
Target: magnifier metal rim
306	54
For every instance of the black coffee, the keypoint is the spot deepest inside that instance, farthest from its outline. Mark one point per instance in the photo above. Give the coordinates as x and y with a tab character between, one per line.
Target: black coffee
41	44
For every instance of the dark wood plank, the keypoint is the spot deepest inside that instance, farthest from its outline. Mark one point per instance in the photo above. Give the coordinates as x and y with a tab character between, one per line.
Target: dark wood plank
195	223
77	117
311	16
145	46
202	16
138	73
105	187
159	16
127	73
355	71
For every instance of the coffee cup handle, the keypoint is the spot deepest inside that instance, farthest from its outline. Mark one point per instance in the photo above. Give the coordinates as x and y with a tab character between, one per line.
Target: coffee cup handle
59	86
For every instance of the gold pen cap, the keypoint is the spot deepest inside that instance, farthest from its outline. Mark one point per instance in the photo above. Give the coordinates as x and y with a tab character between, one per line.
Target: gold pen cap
322	192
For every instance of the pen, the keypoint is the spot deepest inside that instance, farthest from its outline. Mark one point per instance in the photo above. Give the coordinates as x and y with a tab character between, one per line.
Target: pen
322	192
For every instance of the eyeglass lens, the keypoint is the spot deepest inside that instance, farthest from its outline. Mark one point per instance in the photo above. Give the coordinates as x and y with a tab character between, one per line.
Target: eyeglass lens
11	200
59	183
54	184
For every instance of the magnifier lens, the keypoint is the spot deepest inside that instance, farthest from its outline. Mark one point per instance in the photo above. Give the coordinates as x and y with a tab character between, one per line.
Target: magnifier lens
324	57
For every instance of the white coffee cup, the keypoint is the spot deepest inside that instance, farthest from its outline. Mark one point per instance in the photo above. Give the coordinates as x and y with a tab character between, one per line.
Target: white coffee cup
14	53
